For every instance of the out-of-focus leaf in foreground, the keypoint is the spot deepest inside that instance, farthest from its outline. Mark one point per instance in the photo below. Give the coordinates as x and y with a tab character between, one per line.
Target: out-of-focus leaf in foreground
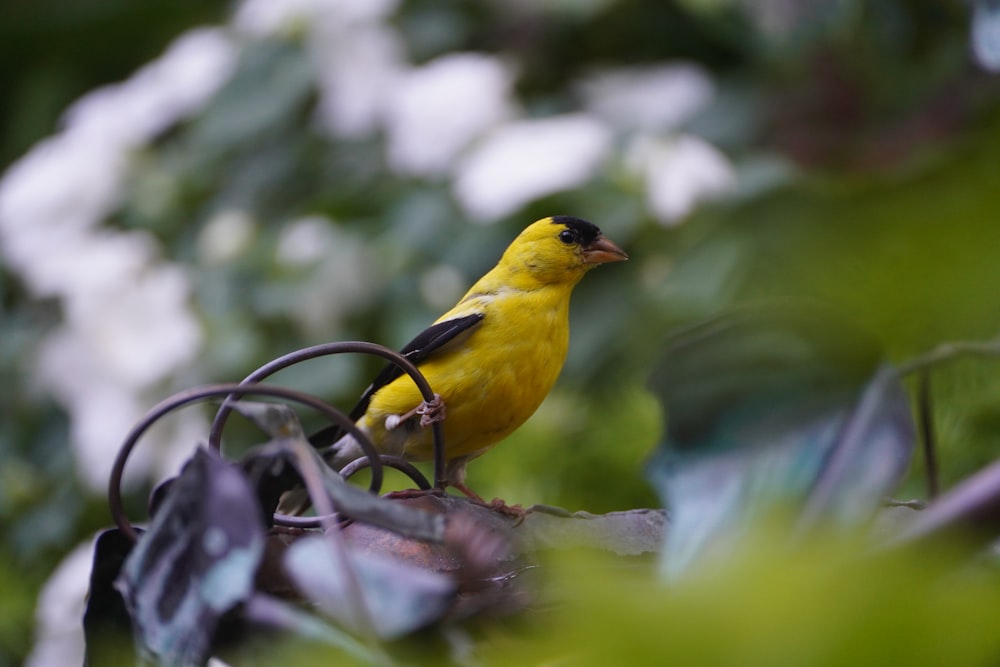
780	408
818	606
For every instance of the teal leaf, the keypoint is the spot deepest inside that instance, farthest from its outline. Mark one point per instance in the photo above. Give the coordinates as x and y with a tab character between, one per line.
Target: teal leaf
196	562
399	597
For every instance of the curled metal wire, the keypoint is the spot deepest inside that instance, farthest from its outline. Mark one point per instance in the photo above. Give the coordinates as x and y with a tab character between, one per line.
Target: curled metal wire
388	461
385	461
327	349
201	393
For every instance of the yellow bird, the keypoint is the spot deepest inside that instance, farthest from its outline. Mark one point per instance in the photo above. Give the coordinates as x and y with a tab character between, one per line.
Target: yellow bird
492	358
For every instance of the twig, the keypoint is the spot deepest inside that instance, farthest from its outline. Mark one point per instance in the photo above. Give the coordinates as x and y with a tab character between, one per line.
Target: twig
927	437
949	351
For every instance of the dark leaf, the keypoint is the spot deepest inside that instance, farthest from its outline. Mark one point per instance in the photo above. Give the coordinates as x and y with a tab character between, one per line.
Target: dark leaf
196	562
107	626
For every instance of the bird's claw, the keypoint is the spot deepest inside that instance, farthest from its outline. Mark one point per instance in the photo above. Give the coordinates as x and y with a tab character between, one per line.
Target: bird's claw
407	494
500	506
432	411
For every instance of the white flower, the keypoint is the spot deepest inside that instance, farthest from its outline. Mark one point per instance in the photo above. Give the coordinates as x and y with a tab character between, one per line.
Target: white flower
119	340
678	173
359	60
141	330
225	236
100	420
158	95
50	198
102	411
438	109
69	183
442	286
523	161
648	98
342	278
58	632
264	18
127	324
358	56
305	241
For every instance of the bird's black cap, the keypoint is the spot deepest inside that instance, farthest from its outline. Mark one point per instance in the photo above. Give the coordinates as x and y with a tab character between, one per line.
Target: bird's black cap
587	232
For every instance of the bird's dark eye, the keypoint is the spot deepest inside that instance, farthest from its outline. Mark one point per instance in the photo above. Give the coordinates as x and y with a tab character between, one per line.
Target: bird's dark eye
567	237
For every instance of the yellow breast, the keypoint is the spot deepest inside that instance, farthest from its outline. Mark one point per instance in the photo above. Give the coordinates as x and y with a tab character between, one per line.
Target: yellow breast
490	384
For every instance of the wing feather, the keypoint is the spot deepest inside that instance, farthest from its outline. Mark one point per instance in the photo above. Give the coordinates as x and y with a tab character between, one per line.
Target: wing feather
434	339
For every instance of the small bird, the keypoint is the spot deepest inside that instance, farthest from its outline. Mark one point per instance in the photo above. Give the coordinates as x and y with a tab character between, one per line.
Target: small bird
492	358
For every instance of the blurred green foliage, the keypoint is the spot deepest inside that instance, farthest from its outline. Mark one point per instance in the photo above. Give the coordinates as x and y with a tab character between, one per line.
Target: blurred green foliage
818	606
868	148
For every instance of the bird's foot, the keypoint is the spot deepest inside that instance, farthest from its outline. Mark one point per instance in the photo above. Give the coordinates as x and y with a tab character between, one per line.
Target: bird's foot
468	492
430	412
500	506
405	494
497	505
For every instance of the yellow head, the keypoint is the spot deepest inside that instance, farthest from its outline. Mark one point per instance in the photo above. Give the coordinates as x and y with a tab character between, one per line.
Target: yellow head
558	250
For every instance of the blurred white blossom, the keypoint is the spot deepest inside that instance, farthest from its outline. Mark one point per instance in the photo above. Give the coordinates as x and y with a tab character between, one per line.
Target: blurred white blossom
442	285
127	323
267	18
343	279
115	346
359	61
358	56
656	97
305	241
139	330
438	109
525	160
225	236
48	201
58	631
159	94
678	172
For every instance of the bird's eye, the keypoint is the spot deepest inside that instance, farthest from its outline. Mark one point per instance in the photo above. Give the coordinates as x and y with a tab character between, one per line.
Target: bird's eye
567	237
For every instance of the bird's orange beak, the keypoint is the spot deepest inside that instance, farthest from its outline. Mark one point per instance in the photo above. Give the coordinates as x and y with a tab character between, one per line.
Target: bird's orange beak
602	251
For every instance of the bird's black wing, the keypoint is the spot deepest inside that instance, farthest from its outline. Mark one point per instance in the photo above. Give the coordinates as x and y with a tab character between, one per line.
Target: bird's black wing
432	339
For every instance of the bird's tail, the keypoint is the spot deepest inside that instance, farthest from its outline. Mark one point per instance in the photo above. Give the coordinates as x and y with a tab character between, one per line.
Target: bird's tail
342	452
